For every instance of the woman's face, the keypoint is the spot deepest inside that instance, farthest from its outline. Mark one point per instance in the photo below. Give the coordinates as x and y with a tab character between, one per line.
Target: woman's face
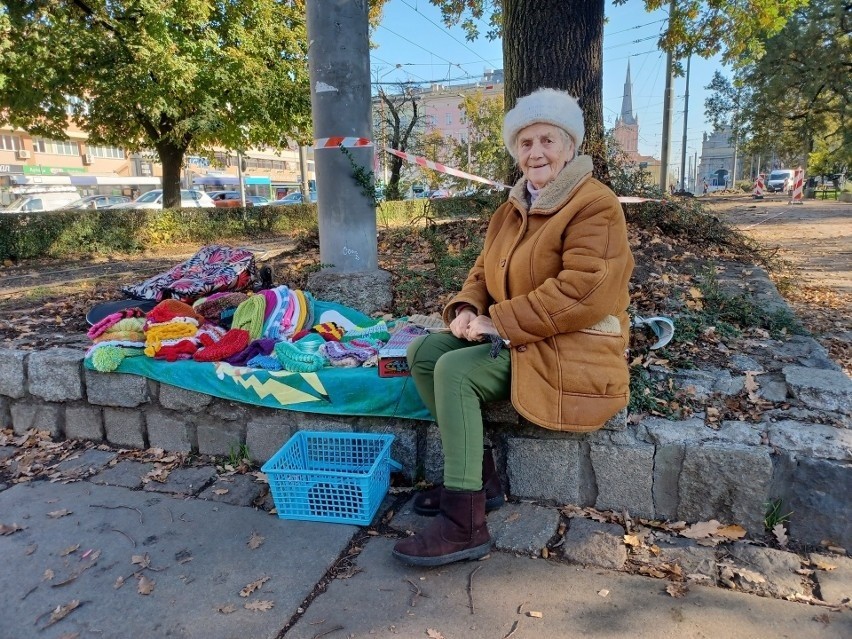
542	152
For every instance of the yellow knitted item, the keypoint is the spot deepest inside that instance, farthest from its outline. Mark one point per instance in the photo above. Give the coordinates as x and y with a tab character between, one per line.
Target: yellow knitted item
299	324
249	316
156	333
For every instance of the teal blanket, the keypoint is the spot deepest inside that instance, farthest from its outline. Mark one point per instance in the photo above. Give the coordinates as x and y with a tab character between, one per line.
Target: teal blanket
332	391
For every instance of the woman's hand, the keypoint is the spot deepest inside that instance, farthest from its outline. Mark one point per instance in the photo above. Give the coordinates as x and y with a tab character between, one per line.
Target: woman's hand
479	328
460	324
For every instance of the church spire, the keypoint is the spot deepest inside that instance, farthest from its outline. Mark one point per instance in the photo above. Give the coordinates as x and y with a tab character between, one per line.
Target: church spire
627	116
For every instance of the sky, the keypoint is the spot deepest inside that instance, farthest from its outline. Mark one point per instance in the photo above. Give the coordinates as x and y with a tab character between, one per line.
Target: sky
412	35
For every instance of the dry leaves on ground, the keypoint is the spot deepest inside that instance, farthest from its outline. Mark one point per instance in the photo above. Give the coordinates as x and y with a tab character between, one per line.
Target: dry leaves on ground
250	588
259	606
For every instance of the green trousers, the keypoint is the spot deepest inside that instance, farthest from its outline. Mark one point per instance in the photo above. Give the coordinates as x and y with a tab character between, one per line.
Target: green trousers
454	378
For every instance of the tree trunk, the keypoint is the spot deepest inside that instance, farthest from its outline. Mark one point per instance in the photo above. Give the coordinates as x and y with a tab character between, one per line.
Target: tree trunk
558	44
171	157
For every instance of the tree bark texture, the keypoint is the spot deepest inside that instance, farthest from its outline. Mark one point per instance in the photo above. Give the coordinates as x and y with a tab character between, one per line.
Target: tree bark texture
171	158
558	44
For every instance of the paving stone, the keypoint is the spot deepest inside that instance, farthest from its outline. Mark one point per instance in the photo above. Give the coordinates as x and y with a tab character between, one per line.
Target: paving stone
740	433
523	528
820	389
743	363
41	416
55	375
835	586
125	427
5	414
668	461
84	422
7	451
500	413
593	543
176	398
85	463
805	351
544	469
664	432
228	411
433	455
812	440
692	558
13	373
184	481
729	483
243	490
116	389
821	492
624	476
126	474
404	446
764	571
773	388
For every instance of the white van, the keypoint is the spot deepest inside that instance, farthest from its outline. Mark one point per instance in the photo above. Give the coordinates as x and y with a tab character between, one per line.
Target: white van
775	181
47	201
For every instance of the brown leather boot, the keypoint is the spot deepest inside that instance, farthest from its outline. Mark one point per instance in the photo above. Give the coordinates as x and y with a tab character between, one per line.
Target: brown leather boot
428	502
458	533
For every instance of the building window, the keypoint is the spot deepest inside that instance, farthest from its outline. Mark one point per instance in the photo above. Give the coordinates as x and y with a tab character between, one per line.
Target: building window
56	147
449	119
10	143
111	152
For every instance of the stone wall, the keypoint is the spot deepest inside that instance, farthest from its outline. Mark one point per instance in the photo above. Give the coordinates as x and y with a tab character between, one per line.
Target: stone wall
677	470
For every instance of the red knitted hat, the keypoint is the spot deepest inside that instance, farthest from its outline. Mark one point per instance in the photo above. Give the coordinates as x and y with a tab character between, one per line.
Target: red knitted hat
329	331
174	352
232	342
169	309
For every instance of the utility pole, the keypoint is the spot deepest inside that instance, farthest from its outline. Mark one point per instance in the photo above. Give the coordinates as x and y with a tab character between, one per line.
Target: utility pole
668	108
685	118
303	167
241	181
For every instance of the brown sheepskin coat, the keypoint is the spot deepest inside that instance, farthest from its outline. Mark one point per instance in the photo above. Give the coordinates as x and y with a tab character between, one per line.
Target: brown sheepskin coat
554	280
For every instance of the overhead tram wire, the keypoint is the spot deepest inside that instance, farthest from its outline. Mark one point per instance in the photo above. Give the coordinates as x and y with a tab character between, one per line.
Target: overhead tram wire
450	62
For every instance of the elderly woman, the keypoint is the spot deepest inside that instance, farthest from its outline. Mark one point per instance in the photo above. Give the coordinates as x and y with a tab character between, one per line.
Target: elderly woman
541	319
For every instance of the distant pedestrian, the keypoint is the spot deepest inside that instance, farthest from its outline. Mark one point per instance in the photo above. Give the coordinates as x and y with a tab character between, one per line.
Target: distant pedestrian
705	186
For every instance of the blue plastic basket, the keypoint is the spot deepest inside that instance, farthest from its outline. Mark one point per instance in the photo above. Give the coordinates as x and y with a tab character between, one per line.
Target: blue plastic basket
333	477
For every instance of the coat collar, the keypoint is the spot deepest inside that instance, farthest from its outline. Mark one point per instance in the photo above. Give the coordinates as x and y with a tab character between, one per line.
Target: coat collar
554	195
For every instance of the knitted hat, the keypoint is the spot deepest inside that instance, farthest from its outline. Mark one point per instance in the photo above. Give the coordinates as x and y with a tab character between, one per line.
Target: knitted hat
261	346
170	309
214	306
547	106
249	315
329	331
233	342
297	361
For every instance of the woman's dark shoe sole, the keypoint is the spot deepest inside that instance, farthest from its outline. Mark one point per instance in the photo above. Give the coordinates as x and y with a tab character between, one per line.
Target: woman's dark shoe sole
467	554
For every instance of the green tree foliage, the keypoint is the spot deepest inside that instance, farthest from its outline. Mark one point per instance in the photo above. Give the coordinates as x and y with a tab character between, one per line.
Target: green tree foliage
797	98
177	76
558	43
481	152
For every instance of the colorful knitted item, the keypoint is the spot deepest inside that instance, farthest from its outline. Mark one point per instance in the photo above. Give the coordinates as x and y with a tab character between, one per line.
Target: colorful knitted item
296	361
348	355
181	349
329	331
214	307
249	315
169	309
110	320
261	346
266	362
379	331
108	358
233	342
158	333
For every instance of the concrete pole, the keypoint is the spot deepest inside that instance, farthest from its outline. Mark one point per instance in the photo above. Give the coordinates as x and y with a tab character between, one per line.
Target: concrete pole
303	167
241	180
339	64
668	108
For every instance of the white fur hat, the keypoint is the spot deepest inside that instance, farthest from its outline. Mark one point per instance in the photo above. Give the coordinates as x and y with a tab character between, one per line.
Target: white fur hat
548	106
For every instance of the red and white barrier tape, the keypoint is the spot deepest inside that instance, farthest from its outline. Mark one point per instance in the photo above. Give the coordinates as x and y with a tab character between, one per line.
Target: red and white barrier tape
352	142
337	142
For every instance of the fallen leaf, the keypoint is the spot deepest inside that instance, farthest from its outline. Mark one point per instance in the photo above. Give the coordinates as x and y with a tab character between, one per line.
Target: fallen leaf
821	563
60	612
118	582
780	534
534	613
226	609
255	541
262	605
69	550
48	575
433	634
632	540
142	560
56	514
603	593
9	529
701	530
515	516
677	590
145	586
545	553
221	491
734	531
250	588
30	549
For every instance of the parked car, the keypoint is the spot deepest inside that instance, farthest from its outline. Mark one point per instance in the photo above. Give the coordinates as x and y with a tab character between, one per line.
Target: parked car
189	198
293	198
438	194
97	202
776	179
46	201
257	200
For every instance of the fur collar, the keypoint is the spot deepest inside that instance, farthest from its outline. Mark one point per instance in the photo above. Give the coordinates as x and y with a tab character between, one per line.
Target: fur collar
554	195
